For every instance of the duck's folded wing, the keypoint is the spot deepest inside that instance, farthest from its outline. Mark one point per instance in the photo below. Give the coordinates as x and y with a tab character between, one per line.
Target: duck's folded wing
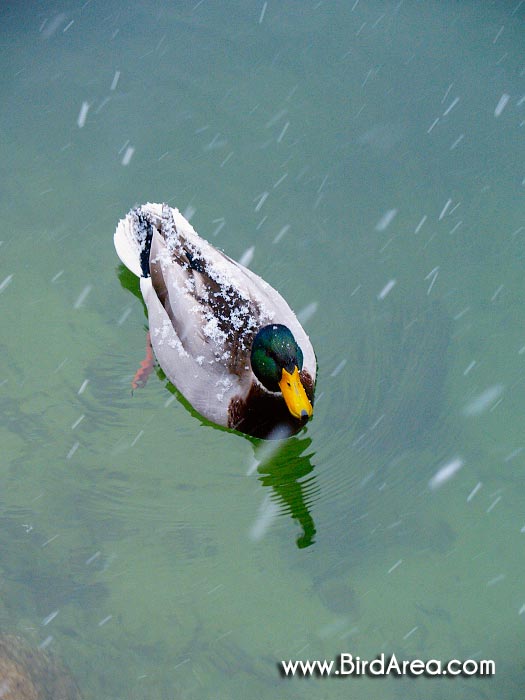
208	387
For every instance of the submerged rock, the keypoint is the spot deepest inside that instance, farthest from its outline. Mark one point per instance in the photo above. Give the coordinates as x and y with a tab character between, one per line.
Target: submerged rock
32	674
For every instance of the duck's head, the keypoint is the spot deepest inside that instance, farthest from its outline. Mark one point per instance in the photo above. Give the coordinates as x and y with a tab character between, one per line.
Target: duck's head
276	361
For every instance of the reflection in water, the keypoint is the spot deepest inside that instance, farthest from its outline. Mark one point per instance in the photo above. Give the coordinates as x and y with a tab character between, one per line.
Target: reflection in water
284	470
130	282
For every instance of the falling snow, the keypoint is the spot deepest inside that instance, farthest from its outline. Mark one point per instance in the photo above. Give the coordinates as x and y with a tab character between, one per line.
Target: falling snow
386	289
128	155
445	473
82	296
115	80
482	402
247	256
503	101
385	221
82	115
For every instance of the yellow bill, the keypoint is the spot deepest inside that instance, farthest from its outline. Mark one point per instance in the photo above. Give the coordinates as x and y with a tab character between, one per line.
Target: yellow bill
294	394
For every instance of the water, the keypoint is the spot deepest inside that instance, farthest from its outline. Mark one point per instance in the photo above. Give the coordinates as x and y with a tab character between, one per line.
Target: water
368	157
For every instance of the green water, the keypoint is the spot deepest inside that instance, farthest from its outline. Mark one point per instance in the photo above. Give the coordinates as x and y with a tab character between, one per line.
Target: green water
184	561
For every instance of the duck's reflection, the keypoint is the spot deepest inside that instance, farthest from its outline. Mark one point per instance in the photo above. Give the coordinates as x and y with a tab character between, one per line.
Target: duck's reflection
285	466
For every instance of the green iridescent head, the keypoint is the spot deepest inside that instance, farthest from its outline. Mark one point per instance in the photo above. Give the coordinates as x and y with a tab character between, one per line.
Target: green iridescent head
276	360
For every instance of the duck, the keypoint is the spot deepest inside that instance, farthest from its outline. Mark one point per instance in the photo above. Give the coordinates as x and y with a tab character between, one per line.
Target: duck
225	338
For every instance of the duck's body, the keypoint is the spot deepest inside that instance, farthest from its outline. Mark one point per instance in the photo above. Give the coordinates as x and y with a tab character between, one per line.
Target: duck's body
205	310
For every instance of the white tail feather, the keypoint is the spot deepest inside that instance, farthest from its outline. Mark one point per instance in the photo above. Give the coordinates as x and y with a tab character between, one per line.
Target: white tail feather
127	246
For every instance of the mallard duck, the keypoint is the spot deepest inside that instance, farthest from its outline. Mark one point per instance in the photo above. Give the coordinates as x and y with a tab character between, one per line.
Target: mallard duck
222	335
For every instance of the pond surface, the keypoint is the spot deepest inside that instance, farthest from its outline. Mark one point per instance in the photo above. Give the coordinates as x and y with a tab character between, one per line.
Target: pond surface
372	155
